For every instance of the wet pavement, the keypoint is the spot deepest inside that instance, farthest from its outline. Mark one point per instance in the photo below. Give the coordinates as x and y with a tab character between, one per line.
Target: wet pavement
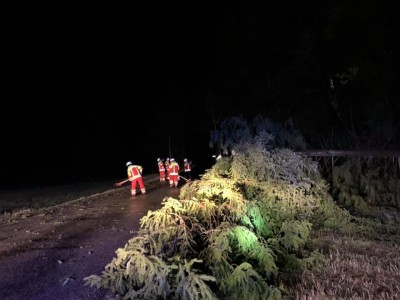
54	263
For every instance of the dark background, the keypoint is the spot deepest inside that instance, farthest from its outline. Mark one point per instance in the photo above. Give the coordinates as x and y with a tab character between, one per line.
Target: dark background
87	88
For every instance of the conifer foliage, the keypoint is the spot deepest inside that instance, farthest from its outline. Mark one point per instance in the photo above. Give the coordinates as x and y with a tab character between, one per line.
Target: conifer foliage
232	235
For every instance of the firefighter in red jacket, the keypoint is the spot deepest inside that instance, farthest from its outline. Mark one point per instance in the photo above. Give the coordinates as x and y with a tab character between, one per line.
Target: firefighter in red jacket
173	173
135	176
187	167
161	169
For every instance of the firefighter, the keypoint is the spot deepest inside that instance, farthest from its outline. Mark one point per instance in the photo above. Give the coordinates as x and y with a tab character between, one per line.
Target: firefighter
167	167
161	169
187	167
135	176
173	173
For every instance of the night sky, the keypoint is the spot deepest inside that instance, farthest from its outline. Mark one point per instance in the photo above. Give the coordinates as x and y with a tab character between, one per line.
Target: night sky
88	88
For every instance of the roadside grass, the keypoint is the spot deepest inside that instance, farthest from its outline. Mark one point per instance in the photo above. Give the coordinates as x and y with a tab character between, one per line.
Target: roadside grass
358	265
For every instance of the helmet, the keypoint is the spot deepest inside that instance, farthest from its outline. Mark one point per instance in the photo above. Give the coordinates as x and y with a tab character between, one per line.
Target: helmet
185	160
128	163
172	159
167	158
158	159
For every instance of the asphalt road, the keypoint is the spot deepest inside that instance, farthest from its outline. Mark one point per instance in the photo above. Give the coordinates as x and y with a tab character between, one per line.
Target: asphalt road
71	242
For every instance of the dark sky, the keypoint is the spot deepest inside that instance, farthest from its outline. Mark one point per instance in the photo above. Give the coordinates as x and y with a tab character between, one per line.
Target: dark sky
88	88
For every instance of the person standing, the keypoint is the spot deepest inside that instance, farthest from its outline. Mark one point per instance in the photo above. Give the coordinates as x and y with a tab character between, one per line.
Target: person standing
161	169
167	167
173	173
135	177
187	167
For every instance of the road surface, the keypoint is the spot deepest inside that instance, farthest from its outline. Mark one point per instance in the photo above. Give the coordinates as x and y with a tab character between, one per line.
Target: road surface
47	254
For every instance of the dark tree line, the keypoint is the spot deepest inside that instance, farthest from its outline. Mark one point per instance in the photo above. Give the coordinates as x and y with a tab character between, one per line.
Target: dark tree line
331	67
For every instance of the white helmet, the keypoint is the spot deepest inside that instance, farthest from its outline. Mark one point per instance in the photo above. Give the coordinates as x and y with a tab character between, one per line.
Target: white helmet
128	163
185	160
172	159
158	159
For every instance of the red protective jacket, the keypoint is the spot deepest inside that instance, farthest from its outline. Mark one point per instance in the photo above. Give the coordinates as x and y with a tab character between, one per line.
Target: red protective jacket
174	169
161	166
187	166
134	172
